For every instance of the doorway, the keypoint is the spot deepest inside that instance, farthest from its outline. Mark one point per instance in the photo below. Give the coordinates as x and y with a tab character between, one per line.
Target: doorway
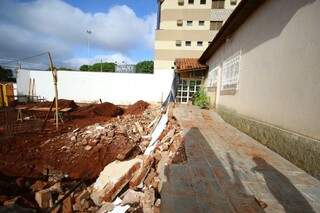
186	89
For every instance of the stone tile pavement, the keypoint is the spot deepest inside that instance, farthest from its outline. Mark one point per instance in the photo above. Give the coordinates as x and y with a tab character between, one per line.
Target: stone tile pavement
228	171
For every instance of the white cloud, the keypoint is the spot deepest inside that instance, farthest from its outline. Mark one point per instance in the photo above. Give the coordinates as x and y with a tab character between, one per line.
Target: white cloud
54	25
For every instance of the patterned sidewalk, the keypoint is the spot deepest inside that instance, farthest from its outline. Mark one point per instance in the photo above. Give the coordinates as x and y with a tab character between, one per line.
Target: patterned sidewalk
228	171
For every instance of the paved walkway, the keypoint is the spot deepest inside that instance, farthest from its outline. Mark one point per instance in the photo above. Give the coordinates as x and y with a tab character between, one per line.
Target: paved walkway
227	171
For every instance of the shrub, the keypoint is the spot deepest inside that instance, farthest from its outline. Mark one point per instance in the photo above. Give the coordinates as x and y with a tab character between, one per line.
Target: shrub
201	99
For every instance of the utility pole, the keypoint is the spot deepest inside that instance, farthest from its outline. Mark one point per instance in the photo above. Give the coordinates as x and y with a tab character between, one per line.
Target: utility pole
88	43
55	82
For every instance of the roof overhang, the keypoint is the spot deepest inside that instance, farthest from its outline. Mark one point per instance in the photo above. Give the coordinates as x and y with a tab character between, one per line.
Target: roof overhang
242	12
184	65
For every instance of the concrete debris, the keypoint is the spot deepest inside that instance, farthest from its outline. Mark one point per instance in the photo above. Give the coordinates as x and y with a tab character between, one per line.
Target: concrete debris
112	179
44	198
67	205
155	135
106	207
87	147
38	185
148	200
132	197
11	202
142	172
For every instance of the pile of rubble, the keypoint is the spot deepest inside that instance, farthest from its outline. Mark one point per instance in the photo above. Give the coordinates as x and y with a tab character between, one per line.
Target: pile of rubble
131	182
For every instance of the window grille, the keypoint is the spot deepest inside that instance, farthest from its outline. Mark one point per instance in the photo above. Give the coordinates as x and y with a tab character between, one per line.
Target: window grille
212	77
231	72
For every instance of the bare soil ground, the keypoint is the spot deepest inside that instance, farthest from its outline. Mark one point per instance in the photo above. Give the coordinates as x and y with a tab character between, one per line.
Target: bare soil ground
24	154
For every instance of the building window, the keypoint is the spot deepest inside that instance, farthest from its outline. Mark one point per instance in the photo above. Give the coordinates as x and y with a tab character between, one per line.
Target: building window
201	23
233	2
179	23
202	1
231	72
191	1
178	43
217	4
180	2
212	77
189	23
188	43
200	43
215	25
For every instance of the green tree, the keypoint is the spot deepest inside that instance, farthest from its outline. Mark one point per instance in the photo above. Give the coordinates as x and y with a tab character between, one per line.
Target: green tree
84	67
5	74
98	67
145	67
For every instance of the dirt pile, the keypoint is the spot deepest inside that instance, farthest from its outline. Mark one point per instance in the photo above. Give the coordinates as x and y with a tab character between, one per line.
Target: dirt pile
105	109
137	108
62	103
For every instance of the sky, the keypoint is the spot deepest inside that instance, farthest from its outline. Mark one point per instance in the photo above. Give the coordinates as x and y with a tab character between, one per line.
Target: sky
122	30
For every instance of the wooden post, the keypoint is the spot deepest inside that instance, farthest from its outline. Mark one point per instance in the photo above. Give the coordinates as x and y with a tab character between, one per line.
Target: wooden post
55	81
33	88
29	92
47	115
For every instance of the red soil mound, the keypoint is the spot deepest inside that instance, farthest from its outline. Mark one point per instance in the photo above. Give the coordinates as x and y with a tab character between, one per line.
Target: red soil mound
105	109
137	108
62	103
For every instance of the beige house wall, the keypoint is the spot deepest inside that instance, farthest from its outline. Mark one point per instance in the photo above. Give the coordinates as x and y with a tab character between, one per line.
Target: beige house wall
279	66
172	54
163	45
172	25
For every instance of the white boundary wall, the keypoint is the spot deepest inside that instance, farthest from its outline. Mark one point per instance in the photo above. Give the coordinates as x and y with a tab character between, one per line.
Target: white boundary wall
118	88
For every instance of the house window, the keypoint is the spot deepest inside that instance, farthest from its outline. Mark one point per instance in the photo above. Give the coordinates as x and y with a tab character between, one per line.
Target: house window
191	1
201	23
233	2
215	25
217	4
178	43
202	1
188	43
179	23
200	43
230	73
180	2
212	77
189	23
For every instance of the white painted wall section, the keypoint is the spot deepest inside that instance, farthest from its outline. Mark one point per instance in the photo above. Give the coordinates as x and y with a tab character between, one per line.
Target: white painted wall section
118	88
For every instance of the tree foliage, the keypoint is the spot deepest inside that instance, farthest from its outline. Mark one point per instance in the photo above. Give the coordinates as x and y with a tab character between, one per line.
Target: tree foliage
145	67
98	67
5	74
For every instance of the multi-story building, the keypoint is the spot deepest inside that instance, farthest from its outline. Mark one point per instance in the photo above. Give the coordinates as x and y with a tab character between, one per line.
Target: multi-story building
186	27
